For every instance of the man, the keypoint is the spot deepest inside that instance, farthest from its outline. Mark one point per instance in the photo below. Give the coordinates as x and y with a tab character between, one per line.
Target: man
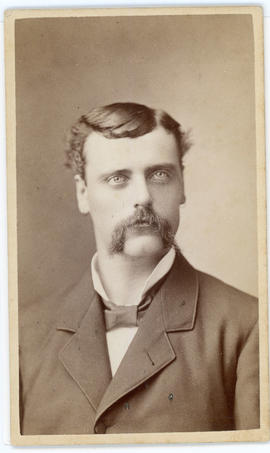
144	342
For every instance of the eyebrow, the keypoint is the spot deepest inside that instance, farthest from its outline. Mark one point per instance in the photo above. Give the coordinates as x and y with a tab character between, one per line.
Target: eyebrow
114	172
164	166
126	171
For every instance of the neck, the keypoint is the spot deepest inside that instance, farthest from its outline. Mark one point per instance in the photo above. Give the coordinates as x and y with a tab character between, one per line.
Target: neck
123	277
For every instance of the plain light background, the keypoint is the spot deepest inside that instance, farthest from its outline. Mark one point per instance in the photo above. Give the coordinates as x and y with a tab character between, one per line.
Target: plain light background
237	447
200	70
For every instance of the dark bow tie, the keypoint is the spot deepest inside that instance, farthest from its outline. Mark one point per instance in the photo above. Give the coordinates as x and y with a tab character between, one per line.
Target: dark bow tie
124	316
129	315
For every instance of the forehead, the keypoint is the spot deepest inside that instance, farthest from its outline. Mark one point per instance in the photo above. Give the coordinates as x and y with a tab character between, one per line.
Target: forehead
158	146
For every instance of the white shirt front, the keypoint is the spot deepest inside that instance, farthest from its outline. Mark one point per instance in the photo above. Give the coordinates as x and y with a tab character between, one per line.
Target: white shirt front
119	338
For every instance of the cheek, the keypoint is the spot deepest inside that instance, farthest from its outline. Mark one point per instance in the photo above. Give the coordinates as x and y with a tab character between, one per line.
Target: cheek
168	199
97	198
168	206
105	208
173	215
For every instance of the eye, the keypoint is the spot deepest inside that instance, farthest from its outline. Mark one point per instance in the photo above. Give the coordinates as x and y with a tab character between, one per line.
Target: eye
160	176
117	180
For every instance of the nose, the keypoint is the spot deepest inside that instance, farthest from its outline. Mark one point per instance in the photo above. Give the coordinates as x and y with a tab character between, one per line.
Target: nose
142	196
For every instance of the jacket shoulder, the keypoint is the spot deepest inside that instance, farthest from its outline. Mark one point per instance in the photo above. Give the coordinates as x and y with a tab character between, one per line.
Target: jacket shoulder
41	317
227	302
37	319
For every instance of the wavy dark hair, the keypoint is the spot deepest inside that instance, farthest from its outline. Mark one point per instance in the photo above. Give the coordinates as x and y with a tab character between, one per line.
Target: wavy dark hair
122	119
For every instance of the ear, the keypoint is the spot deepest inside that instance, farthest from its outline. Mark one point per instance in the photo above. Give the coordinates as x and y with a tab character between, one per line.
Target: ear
82	196
182	198
182	192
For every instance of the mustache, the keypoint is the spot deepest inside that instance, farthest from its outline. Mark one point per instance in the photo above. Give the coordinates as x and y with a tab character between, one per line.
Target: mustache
144	216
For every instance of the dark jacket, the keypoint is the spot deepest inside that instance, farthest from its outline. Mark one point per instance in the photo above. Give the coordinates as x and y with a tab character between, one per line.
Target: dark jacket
192	366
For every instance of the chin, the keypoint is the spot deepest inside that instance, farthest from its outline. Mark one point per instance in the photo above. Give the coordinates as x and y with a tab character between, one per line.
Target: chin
144	246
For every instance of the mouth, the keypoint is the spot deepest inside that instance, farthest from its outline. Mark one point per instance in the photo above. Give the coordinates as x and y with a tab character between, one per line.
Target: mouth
143	227
142	224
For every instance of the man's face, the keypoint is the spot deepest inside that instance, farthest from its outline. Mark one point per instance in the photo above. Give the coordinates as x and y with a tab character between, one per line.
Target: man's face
132	184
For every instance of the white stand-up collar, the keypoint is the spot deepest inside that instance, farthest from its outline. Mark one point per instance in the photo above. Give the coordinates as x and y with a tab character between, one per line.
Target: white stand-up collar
161	269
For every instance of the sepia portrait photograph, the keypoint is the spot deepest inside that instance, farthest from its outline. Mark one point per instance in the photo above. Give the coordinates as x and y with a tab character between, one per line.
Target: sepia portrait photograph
137	225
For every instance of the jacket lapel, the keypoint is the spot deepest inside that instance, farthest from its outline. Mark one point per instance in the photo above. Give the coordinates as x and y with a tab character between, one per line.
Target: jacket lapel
173	309
180	296
85	355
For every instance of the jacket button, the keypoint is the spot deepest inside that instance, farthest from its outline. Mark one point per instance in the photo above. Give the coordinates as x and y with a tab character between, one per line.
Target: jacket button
100	428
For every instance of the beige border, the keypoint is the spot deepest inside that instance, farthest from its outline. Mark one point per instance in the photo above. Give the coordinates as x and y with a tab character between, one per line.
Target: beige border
261	434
